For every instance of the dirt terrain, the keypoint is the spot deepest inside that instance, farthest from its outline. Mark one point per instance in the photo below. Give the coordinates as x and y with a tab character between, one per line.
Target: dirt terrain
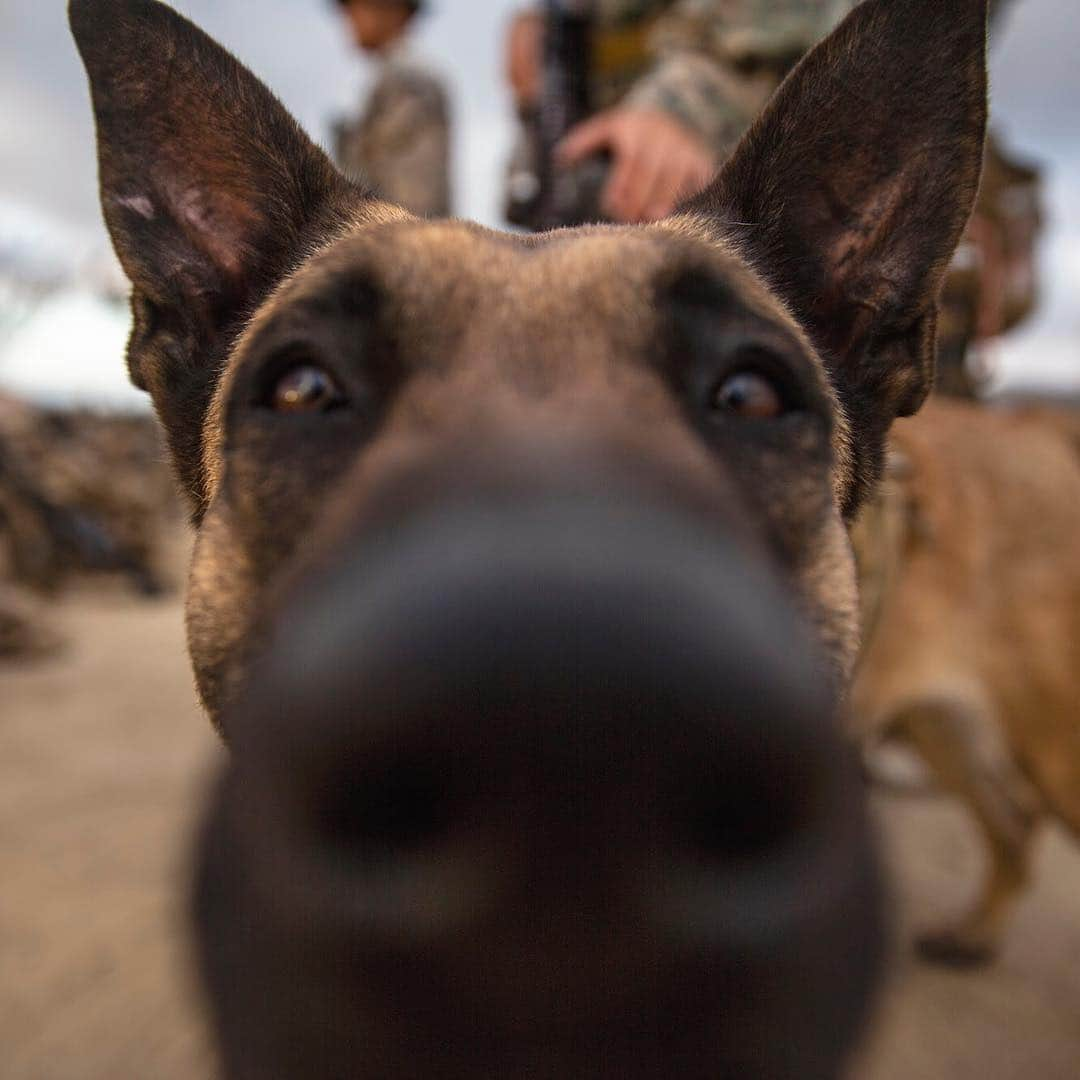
103	756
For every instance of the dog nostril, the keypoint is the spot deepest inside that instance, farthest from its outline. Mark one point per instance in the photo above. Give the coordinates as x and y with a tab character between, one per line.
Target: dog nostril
748	815
398	809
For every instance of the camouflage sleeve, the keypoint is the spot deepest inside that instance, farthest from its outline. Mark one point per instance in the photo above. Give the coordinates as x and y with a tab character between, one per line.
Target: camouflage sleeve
406	155
699	93
717	61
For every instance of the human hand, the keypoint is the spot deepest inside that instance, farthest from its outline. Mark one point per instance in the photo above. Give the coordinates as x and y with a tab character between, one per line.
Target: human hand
656	161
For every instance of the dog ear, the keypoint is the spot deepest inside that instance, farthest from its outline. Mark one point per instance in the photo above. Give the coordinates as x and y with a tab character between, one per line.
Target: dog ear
851	192
209	188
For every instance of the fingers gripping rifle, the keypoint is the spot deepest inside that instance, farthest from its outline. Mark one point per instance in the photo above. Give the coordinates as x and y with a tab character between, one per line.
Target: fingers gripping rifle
543	196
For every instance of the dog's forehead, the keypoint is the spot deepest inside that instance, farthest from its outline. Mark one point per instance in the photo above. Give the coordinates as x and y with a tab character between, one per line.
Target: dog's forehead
605	277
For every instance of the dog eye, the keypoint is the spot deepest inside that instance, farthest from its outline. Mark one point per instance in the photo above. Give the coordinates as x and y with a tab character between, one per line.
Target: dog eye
747	394
305	388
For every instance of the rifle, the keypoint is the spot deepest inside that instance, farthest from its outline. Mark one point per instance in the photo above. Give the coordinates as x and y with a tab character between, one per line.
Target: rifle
542	196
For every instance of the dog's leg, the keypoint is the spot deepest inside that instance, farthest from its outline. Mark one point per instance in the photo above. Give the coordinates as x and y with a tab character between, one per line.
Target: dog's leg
947	735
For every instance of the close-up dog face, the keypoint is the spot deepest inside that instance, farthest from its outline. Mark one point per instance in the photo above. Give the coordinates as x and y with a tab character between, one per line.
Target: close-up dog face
407	358
303	342
521	589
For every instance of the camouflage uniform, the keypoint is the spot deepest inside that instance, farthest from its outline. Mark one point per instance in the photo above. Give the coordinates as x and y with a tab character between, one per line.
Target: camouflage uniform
400	143
714	63
711	64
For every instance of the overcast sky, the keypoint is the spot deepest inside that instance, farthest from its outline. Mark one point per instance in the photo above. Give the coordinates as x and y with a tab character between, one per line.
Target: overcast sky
298	47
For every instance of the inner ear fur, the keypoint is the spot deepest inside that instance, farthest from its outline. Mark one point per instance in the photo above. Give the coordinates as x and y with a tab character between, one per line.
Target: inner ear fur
209	189
851	192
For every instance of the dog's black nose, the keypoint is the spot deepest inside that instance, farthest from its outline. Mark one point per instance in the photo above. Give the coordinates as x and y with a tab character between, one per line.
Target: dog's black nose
541	788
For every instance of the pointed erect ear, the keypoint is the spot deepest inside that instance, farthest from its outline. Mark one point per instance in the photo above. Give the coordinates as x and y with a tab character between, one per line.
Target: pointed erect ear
851	191
209	189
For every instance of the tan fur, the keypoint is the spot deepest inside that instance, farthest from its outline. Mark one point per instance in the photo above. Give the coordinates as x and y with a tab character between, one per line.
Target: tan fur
811	264
520	354
973	653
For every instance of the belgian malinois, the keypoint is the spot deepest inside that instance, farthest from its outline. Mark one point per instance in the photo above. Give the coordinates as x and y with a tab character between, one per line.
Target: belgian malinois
972	632
487	524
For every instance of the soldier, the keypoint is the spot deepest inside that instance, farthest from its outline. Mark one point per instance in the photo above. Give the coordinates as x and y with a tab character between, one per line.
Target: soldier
673	84
400	143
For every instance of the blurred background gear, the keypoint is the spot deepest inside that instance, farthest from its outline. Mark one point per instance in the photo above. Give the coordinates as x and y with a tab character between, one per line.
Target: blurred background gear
993	284
398	142
80	494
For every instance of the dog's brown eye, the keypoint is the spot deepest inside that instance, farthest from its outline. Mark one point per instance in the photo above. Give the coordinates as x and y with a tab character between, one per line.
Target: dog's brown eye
747	394
305	388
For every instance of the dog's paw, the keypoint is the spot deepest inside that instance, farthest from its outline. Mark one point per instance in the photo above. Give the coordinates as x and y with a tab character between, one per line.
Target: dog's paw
956	949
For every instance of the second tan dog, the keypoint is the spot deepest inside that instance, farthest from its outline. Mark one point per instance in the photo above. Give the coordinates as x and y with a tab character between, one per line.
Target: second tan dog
971	597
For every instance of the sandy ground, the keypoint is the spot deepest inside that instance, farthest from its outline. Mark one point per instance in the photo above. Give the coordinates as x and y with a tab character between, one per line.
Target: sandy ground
103	756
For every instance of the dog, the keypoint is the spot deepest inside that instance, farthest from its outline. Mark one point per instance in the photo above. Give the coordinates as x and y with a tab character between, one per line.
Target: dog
442	442
972	632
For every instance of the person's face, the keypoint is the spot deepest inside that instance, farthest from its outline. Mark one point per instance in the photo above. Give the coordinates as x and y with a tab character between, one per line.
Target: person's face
376	23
